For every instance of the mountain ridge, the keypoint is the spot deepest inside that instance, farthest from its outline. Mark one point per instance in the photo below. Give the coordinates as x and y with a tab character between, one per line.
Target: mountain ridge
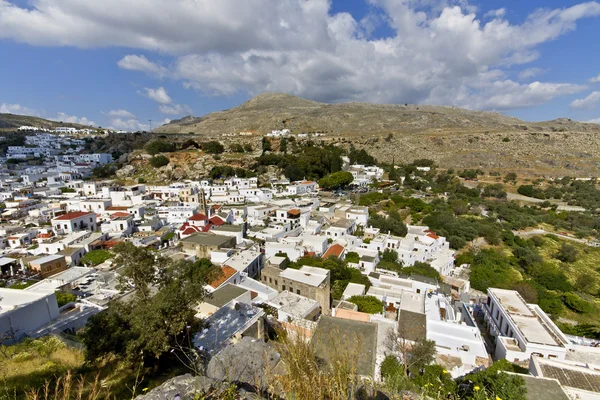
10	121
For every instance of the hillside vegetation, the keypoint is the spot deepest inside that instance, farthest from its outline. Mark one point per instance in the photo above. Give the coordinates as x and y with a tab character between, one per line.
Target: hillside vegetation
451	136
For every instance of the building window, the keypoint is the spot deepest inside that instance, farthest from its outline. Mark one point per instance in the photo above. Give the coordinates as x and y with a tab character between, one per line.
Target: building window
283	287
291	289
270	280
297	291
418	290
276	282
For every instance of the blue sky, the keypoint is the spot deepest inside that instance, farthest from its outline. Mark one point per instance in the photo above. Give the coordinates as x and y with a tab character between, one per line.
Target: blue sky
119	65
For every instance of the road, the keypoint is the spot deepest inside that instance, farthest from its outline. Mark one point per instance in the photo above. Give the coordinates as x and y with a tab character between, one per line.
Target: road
537	232
562	206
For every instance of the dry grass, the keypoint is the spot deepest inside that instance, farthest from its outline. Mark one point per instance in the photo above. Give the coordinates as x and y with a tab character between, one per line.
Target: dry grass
308	377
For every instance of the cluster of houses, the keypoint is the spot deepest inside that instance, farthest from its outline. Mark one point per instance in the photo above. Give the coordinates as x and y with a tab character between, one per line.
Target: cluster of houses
58	130
61	161
253	234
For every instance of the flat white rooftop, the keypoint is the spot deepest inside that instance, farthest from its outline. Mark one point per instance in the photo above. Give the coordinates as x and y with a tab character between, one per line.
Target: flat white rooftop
511	302
308	275
11	299
43	260
293	304
414	302
354	289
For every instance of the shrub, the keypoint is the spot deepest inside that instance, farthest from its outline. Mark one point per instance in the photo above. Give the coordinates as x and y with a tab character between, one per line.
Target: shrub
213	147
576	303
367	304
159	161
567	253
63	298
236	148
96	257
159	146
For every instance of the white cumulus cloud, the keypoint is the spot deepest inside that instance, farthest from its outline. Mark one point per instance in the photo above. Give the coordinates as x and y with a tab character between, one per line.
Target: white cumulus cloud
440	51
121	114
159	95
141	63
588	102
131	125
63	117
7	108
595	79
174	109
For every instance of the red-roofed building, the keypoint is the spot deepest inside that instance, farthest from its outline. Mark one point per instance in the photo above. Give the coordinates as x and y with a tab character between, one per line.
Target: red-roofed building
227	275
119	214
198	219
74	222
217	220
335	250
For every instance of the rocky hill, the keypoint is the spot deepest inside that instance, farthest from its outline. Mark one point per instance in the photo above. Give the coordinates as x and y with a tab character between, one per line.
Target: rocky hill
451	136
14	121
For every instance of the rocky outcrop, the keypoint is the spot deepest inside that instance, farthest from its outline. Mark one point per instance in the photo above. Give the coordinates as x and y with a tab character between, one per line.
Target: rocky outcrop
249	360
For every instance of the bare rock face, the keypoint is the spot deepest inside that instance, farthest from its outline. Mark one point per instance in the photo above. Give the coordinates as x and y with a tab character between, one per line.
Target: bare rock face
250	360
126	171
188	387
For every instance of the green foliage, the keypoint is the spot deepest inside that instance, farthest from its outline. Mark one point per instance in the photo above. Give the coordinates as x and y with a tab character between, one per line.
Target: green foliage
423	269
266	144
591	331
159	146
236	148
510	177
63	298
361	157
490	268
576	303
352	257
159	161
104	171
506	139
390	367
306	161
470	173
138	329
371	198
248	148
96	257
336	180
531	191
213	147
493	383
67	190
367	304
392	225
226	171
567	253
283	145
495	190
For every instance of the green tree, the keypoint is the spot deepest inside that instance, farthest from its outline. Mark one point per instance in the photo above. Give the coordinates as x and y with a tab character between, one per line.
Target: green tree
336	180
283	145
266	144
236	148
96	257
510	177
567	253
64	298
149	328
213	147
140	267
390	255
159	146
248	148
159	161
367	304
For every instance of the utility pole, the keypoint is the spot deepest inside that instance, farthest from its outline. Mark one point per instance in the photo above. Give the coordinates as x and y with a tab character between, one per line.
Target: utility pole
150	123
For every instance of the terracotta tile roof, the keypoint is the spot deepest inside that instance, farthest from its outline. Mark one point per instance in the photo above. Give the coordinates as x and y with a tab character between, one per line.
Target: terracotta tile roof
44	235
184	226
227	272
120	214
117	208
433	235
294	211
217	221
190	230
334	250
73	215
198	217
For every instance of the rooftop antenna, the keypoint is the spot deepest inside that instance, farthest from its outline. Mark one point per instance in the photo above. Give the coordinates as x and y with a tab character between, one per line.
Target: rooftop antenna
150	122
